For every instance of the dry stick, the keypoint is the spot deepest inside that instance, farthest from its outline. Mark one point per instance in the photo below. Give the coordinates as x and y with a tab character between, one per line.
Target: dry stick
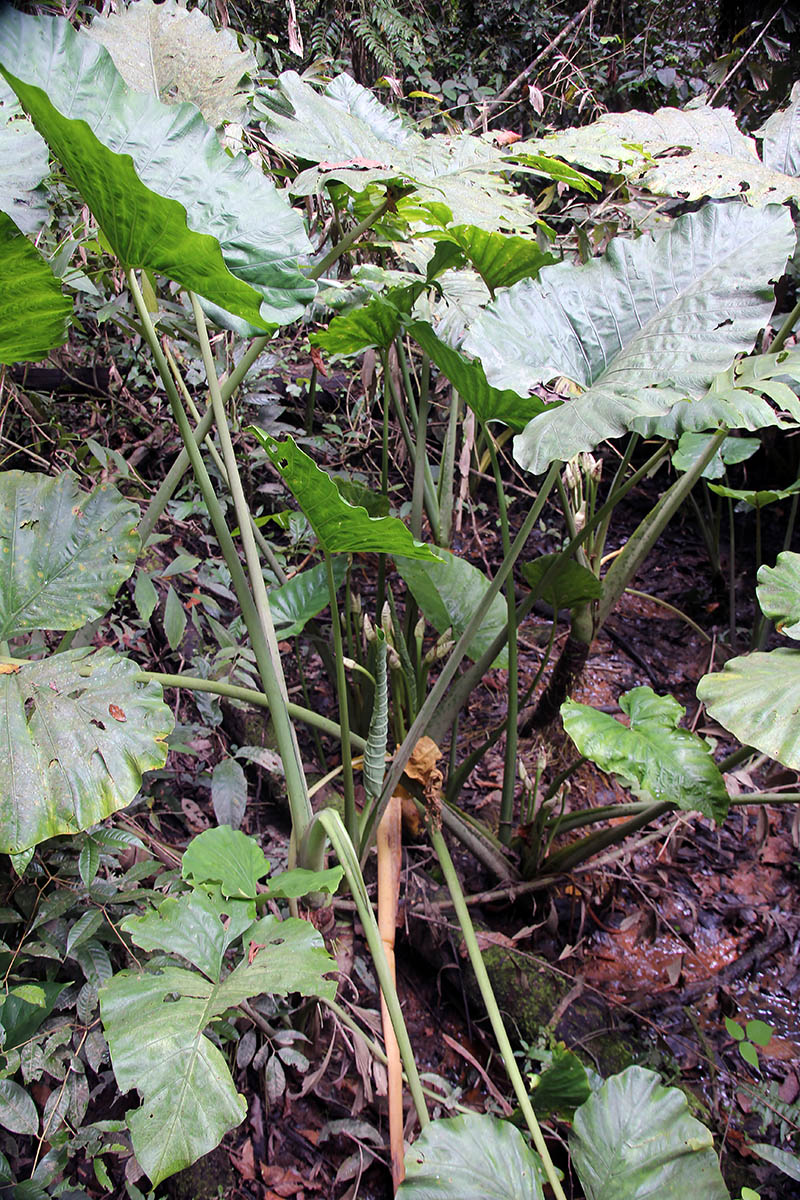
523	75
738	64
389	863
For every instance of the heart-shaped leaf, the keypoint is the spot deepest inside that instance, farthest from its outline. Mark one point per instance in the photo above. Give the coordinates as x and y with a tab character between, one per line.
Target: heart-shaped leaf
634	1140
568	583
228	857
691	446
341	528
303	597
778	593
500	259
646	325
78	730
756	498
64	553
653	757
471	1157
162	188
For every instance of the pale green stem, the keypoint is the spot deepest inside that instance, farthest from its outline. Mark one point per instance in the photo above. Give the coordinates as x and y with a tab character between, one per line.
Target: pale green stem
330	821
786	328
349	238
298	796
271	670
447	471
492	1009
350	816
421	453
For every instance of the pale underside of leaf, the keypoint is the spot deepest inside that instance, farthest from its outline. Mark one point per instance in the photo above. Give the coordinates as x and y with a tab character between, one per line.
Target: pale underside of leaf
649	324
24	164
781	134
176	54
778	593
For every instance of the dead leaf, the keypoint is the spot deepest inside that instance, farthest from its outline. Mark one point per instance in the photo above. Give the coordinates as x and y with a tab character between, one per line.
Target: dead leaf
195	817
422	767
295	36
505	137
9	668
117	713
536	98
674	969
246	1161
318	361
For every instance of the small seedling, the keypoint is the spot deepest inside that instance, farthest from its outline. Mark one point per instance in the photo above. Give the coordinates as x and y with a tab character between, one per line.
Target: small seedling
754	1033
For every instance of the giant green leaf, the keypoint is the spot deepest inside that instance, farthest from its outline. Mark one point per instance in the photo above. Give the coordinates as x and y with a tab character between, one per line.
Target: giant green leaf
155	1024
690	153
77	731
64	553
24	163
303	597
448	592
649	323
341	528
469	379
652	756
691	447
162	188
176	54
471	1157
350	138
778	593
757	697
35	314
781	134
754	393
636	1140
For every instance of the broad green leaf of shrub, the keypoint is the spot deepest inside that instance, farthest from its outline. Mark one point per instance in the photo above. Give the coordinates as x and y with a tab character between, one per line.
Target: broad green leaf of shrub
755	497
646	325
341	528
376	323
77	732
500	259
17	1110
778	593
716	158
352	139
163	190
448	592
781	134
561	1085
292	885
155	1022
303	597
757	698
785	1161
754	393
653	756
177	54
691	447
35	317
64	553
634	1140
471	1157
25	162
24	1008
566	586
228	857
229	792
468	378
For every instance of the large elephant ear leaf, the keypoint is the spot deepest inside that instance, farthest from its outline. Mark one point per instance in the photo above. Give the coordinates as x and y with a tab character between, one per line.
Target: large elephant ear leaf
781	134
757	698
38	319
648	324
160	185
24	163
634	1139
176	54
471	1157
652	756
341	527
778	593
64	553
78	731
500	259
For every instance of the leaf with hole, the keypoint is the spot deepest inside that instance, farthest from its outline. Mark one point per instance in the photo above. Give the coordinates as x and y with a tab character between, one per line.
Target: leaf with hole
646	325
341	528
25	165
65	763
653	756
635	1140
176	54
164	192
64	553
